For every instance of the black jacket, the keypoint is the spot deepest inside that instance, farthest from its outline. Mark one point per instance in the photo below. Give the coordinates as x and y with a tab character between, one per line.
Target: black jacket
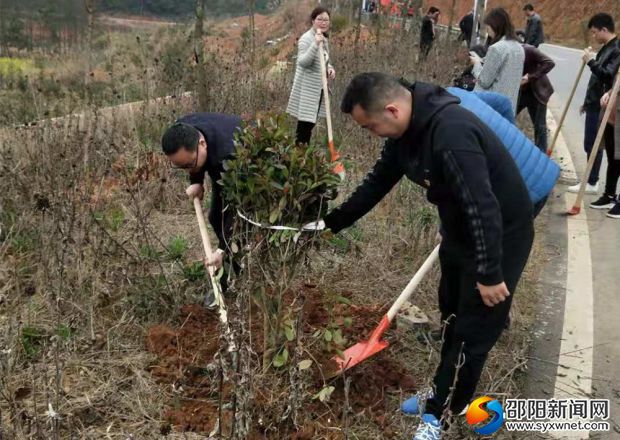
468	173
604	68
218	130
467	26
426	33
534	34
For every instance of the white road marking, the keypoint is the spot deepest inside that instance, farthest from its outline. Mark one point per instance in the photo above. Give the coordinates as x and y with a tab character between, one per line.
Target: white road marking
562	155
576	349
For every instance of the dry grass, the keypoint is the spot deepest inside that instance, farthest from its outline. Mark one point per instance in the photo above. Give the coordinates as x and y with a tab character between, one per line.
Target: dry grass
88	211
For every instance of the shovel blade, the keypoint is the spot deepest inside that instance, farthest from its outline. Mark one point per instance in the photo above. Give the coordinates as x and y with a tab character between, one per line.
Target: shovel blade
358	353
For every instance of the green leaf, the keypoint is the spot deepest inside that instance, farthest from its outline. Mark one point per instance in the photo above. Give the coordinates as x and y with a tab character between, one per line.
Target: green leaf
343	300
338	339
281	358
328	336
273	216
324	394
219	274
348	322
305	364
289	332
276	185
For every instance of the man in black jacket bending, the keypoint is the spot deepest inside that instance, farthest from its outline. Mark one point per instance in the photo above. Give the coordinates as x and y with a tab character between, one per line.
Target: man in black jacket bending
485	211
200	143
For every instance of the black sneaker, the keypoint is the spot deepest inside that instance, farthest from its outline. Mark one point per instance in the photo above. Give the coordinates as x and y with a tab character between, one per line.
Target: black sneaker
615	211
604	202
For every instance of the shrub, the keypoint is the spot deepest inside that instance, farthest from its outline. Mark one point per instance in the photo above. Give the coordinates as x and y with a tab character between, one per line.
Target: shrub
272	180
339	23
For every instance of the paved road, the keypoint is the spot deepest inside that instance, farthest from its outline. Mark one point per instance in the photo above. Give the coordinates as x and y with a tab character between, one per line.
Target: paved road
577	347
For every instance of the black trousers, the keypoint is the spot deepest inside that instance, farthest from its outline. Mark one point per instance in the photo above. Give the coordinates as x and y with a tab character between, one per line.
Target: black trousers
304	128
304	132
613	165
471	326
538	114
425	48
591	129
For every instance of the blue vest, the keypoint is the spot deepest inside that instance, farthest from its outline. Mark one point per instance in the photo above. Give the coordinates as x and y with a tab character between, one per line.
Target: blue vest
538	171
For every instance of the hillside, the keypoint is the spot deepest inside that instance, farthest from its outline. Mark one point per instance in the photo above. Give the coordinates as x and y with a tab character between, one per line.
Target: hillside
564	21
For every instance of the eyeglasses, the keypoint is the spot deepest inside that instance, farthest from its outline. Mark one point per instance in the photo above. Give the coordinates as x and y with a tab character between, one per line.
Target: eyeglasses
322	20
186	166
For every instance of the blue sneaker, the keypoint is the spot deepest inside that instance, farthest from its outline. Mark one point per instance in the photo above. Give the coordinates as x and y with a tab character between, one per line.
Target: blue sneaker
417	403
428	429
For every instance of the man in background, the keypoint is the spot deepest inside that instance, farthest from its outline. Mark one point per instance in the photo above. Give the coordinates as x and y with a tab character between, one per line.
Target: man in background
534	34
536	89
603	66
467	26
427	33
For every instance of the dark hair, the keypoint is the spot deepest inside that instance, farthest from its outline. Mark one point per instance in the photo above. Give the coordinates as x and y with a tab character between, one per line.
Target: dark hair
499	20
602	20
318	11
370	91
528	7
180	135
433	9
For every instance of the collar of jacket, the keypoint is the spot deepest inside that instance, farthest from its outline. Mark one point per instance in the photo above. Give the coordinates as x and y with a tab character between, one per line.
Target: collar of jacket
428	100
607	45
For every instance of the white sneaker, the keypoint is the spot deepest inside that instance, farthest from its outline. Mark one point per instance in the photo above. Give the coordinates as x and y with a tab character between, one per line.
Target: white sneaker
590	189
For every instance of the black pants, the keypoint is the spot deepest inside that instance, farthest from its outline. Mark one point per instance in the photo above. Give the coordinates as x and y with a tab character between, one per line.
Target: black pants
472	325
425	48
304	132
613	165
538	114
591	129
304	128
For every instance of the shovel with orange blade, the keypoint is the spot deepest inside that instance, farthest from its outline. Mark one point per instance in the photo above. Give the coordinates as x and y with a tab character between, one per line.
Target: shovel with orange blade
363	350
338	167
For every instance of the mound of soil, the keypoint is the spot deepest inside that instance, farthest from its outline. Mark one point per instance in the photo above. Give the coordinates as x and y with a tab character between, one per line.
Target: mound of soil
184	354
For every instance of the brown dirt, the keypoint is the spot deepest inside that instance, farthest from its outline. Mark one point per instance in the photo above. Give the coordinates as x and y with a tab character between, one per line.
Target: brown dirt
183	352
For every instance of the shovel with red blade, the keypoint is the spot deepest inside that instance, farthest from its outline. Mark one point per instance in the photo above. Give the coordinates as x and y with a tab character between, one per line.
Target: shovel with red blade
364	350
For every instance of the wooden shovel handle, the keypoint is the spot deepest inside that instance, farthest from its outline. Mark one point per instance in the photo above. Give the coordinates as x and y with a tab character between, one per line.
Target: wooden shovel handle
206	243
413	284
565	111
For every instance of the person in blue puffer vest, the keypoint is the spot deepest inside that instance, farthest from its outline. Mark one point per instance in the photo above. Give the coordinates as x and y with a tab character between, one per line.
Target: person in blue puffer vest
538	171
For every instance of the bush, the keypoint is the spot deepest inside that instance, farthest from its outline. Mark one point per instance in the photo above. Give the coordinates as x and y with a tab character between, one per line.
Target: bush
272	180
339	23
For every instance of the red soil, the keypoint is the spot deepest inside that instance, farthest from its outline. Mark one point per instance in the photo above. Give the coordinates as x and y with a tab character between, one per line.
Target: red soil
183	352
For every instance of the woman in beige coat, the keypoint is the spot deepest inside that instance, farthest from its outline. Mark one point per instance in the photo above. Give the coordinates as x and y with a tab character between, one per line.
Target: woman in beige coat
306	102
